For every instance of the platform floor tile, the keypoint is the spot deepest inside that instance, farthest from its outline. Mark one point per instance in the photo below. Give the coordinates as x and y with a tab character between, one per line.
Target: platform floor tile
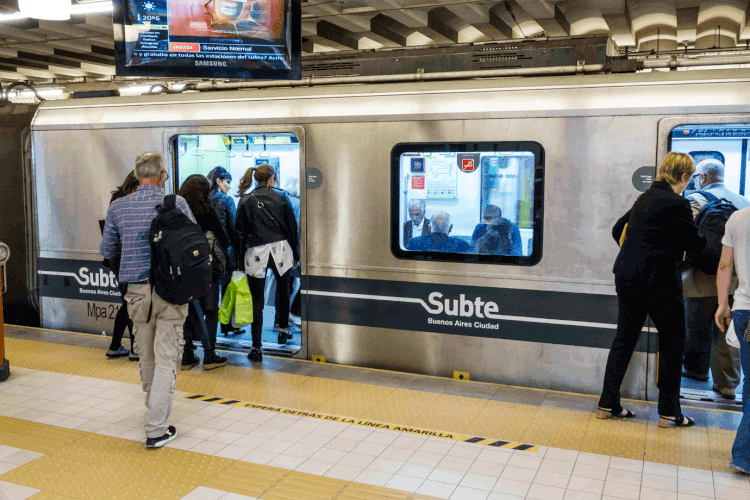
69	418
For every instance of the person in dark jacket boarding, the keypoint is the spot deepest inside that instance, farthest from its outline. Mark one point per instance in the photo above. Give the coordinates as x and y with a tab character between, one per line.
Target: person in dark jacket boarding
655	235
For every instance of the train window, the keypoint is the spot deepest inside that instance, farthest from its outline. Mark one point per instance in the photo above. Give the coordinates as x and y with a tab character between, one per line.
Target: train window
727	143
468	202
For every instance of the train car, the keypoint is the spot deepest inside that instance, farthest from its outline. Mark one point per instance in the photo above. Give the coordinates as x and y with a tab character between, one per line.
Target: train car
561	158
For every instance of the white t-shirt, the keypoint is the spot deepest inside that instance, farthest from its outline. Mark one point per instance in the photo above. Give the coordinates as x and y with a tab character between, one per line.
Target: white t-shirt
737	236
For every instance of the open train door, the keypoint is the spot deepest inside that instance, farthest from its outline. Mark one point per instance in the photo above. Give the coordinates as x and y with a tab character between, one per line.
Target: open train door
198	150
724	138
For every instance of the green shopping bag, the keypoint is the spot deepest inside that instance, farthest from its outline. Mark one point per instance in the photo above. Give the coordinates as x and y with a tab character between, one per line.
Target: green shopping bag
237	301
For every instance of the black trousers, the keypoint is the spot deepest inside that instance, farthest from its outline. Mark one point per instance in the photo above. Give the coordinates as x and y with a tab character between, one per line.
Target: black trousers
662	301
122	321
257	289
210	305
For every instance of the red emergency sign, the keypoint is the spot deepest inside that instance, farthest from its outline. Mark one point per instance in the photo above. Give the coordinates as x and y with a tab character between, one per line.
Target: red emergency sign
417	182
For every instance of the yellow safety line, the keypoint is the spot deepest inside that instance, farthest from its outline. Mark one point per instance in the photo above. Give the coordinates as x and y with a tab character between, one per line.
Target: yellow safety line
366	423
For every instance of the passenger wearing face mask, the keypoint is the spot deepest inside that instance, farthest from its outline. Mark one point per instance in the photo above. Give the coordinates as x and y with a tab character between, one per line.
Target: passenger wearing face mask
705	345
417	225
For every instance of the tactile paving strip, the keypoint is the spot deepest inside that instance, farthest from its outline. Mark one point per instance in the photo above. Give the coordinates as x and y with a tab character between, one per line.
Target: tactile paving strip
89	466
366	423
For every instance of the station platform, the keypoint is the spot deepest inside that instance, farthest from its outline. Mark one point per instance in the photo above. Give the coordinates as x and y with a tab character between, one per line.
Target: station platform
71	428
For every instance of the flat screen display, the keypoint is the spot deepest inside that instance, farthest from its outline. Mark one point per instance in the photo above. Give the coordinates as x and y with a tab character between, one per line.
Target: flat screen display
243	39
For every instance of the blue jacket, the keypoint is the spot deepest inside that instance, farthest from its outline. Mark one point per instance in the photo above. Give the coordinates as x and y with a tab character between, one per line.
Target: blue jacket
438	242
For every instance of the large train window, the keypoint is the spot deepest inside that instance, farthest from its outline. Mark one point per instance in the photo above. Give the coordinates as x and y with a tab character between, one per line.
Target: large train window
727	143
468	202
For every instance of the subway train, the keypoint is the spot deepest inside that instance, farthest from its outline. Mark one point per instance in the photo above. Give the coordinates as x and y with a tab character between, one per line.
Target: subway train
561	157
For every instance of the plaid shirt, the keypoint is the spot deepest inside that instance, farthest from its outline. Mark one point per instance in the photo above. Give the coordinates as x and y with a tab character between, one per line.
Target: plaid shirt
128	221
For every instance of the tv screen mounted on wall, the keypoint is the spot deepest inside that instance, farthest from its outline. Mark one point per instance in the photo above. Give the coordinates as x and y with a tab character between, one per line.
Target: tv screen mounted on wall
243	39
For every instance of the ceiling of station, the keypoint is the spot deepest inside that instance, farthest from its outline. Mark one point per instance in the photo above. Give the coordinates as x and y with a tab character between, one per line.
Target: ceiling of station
68	51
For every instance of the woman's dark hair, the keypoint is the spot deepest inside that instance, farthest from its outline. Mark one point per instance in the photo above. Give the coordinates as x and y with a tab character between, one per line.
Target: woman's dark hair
129	186
218	174
196	190
262	174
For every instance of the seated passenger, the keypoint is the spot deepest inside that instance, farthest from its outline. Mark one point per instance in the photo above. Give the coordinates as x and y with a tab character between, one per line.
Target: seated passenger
490	213
502	238
438	240
416	225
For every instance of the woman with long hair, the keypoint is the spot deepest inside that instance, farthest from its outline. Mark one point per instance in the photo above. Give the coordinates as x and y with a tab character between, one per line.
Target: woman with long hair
122	320
220	181
268	238
196	191
656	233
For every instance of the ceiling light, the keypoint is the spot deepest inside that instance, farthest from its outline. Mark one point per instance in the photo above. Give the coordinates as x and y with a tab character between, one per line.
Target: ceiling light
92	8
87	8
137	90
53	10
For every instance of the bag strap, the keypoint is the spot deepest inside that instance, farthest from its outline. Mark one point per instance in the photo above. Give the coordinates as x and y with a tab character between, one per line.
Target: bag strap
262	207
170	201
711	198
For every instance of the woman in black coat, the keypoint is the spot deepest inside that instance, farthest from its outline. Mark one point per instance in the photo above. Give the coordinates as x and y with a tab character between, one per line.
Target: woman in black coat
660	229
122	320
196	191
269	238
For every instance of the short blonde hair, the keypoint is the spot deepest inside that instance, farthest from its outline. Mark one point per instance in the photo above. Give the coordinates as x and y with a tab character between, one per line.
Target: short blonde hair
674	167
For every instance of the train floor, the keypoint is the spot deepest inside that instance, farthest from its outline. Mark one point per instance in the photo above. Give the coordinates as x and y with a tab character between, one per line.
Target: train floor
71	427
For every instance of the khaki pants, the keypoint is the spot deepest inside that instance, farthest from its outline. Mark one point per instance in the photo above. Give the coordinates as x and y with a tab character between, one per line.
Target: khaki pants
159	343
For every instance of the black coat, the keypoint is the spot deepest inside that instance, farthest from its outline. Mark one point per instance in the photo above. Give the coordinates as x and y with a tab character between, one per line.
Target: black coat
660	230
255	228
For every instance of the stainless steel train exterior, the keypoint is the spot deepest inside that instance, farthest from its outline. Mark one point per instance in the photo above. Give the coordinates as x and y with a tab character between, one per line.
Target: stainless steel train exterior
363	306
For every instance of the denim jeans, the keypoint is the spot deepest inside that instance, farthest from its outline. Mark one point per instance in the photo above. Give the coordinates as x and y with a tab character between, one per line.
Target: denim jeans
741	446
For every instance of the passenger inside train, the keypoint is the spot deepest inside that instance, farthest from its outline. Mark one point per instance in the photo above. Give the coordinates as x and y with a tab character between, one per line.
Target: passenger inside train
232	155
711	368
485	193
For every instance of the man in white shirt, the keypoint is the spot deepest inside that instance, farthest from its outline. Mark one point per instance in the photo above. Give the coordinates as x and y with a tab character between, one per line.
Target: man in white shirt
417	225
735	254
701	298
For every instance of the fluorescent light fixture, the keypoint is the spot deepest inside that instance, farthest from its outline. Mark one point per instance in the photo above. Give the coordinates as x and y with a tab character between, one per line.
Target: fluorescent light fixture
136	90
78	9
92	8
53	10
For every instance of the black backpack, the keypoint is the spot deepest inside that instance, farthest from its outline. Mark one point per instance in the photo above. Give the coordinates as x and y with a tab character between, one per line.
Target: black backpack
711	221
180	256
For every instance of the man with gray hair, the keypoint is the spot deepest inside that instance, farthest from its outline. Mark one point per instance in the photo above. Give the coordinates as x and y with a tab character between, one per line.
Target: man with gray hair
439	240
416	225
701	297
156	322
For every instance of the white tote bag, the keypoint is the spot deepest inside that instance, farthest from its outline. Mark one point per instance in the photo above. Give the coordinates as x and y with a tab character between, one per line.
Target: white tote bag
732	336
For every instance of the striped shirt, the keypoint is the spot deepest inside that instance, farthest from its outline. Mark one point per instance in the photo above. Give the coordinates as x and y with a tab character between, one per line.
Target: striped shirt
128	222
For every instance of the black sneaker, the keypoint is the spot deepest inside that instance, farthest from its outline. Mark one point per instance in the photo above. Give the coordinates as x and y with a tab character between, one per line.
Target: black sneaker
282	337
153	443
117	353
255	355
189	361
212	360
133	356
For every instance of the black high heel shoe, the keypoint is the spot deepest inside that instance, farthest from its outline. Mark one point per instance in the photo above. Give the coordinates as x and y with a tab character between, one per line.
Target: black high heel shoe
608	412
681	421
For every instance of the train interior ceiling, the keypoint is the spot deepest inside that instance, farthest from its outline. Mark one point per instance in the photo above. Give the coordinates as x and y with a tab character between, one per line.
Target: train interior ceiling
199	154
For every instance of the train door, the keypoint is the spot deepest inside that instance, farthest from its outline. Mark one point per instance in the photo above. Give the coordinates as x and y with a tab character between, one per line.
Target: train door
708	363
231	153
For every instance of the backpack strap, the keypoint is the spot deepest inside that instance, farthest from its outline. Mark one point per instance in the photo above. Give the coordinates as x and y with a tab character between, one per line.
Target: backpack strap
711	198
170	201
